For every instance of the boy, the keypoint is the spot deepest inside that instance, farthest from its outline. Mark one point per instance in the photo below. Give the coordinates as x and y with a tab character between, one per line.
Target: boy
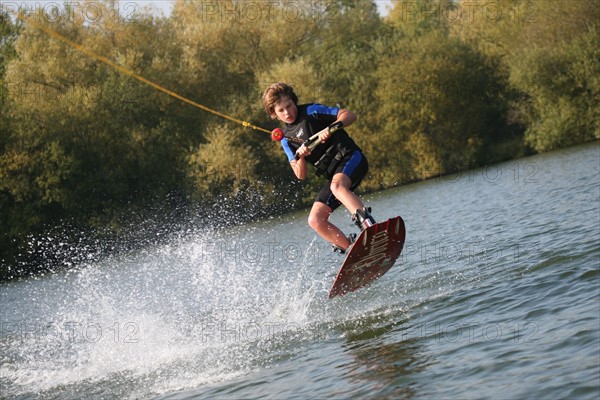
337	158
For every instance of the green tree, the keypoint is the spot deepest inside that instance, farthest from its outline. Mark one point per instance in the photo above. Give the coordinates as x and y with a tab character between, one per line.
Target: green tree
91	145
415	18
9	32
345	60
341	55
563	93
440	100
548	52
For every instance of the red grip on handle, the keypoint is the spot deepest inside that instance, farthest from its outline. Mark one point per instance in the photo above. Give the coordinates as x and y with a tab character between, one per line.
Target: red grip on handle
277	134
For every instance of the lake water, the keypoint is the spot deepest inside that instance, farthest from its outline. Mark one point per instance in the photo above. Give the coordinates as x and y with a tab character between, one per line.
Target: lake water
496	295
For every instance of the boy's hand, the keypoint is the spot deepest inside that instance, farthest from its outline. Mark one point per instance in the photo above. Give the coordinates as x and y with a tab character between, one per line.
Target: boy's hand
325	135
303	151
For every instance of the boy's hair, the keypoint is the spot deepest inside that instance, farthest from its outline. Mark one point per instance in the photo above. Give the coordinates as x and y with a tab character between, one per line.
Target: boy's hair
274	94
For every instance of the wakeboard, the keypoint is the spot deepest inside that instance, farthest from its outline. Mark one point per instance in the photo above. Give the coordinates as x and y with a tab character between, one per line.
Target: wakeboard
373	253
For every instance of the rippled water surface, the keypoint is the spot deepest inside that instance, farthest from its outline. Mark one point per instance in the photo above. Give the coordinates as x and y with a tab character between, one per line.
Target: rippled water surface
496	295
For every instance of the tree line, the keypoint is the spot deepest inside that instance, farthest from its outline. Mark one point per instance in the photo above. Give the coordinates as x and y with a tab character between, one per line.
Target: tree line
438	85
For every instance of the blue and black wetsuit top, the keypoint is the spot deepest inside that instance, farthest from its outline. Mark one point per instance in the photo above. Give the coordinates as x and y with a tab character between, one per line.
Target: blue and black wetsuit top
311	119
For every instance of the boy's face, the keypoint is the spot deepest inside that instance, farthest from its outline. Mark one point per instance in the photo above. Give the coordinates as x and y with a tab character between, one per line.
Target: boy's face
285	110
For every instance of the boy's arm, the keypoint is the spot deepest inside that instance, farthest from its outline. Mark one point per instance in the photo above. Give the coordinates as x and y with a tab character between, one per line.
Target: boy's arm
299	168
299	165
346	117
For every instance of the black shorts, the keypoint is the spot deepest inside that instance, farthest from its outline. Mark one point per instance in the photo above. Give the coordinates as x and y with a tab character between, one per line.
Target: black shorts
355	166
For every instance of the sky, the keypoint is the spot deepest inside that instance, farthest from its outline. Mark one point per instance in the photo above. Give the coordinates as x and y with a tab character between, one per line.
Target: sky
165	5
131	6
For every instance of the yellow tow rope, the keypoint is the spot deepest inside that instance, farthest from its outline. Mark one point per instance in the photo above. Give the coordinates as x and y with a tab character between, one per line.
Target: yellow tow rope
132	74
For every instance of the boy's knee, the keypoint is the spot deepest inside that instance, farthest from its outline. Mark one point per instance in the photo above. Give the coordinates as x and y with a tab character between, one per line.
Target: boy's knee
317	220
314	221
336	187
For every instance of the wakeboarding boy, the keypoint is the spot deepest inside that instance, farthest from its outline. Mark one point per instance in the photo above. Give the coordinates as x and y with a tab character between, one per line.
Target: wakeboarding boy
337	158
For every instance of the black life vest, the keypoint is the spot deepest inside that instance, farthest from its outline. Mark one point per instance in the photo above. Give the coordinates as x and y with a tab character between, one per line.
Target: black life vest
327	156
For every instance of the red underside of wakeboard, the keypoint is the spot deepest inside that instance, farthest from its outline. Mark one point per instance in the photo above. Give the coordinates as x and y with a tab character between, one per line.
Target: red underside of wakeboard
373	253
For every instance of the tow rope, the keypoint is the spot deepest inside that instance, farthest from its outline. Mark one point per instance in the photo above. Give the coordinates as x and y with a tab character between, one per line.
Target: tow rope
126	71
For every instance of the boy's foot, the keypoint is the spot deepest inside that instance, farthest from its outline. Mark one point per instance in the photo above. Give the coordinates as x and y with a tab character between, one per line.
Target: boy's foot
363	219
338	249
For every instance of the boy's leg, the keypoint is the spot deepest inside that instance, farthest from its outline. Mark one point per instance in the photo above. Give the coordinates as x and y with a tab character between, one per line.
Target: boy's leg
350	175
340	187
318	219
